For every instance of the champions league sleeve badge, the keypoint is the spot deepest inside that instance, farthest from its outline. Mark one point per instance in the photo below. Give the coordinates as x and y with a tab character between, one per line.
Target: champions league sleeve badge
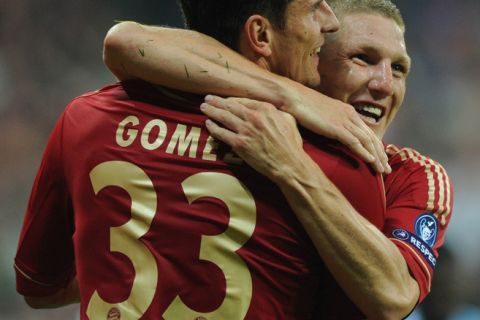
426	228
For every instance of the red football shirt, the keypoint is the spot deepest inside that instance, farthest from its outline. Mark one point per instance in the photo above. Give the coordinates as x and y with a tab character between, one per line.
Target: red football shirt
158	221
419	205
419	198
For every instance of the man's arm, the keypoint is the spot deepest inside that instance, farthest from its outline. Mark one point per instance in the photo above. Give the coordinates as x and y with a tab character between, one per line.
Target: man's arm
367	265
63	297
193	62
419	189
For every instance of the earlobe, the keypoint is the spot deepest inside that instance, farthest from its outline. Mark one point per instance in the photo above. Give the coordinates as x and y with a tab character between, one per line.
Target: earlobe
258	31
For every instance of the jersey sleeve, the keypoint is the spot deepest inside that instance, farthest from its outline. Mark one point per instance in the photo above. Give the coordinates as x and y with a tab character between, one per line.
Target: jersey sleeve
419	205
44	261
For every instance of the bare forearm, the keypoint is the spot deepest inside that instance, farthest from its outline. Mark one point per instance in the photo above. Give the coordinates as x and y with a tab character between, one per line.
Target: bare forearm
194	62
189	61
365	263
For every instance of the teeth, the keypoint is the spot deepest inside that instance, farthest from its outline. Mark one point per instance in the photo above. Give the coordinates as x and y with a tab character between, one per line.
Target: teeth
376	111
370	109
368	119
369	112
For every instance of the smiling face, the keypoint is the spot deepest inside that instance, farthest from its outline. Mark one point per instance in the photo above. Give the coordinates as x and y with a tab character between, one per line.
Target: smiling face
366	65
295	48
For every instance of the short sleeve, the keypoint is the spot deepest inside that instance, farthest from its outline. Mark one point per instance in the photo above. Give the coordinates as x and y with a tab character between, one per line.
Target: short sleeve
419	205
44	262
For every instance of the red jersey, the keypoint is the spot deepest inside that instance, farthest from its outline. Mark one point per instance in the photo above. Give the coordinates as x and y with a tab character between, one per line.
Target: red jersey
419	206
419	198
158	221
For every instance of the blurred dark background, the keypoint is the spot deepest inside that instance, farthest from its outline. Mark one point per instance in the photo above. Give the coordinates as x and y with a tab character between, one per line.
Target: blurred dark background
50	52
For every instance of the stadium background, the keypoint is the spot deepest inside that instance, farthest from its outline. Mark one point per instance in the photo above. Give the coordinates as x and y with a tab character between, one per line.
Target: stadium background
50	52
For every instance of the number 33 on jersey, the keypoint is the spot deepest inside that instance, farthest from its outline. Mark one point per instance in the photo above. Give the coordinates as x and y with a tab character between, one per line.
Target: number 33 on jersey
136	200
219	249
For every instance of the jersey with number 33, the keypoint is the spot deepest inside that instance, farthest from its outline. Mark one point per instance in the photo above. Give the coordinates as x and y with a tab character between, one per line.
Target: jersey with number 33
157	220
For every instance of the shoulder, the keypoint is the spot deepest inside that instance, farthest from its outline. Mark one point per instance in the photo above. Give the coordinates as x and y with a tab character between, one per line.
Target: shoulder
400	157
331	155
102	97
418	180
111	91
357	181
408	162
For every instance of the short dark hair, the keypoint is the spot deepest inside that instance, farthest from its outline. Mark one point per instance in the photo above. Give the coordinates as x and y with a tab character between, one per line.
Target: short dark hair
224	19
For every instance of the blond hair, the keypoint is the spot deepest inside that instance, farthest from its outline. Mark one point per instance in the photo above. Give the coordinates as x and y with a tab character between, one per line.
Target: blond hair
385	8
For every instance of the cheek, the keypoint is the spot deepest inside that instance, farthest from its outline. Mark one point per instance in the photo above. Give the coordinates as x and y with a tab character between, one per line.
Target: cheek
356	75
338	79
349	78
349	81
400	93
394	112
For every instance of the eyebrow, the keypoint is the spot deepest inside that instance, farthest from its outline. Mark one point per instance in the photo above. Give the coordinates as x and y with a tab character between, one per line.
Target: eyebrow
405	59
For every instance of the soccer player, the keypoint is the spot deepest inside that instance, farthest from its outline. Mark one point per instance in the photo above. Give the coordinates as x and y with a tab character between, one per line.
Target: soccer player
365	64
140	207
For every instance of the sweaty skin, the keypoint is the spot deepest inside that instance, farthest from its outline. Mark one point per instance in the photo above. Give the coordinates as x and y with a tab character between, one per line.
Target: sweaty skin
366	64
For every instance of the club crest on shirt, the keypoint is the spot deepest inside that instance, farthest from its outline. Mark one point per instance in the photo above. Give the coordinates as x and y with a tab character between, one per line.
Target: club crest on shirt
114	314
426	228
401	234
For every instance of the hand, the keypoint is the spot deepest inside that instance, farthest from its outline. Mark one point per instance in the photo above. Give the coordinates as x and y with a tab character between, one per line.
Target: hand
336	120
265	137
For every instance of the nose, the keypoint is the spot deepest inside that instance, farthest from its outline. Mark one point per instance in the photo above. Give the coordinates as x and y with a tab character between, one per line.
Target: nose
381	83
331	23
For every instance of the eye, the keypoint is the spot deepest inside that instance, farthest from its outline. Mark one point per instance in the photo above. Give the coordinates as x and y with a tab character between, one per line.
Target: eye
399	69
361	58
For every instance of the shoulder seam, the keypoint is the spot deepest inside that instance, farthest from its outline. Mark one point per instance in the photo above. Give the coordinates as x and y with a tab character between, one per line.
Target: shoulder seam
439	187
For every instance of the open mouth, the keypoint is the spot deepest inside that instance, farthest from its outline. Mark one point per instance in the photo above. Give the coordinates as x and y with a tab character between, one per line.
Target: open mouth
371	114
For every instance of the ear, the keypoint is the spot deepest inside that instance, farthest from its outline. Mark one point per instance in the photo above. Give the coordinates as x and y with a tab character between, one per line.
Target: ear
259	35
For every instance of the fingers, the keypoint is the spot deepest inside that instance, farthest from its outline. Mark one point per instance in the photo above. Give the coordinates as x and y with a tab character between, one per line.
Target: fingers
229	105
225	117
377	148
220	133
251	104
233	113
383	158
367	145
226	120
238	113
353	143
238	106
